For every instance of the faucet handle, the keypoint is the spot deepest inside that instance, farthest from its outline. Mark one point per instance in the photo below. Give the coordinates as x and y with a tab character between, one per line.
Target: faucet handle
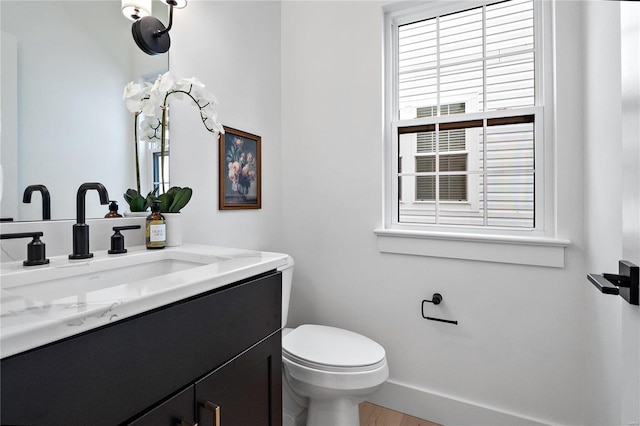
117	239
36	251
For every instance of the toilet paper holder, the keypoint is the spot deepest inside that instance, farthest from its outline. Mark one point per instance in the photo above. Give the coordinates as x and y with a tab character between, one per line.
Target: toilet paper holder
436	299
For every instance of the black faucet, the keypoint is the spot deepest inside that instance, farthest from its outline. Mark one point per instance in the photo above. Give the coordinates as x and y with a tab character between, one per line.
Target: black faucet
81	229
46	199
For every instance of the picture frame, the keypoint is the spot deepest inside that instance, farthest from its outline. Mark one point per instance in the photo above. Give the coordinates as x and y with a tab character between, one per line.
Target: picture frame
240	170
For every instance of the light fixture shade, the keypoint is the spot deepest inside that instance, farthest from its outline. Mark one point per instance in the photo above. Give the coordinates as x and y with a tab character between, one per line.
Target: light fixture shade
178	4
136	9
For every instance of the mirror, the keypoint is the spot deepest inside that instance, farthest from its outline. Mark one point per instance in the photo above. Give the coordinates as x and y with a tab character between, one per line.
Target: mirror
64	68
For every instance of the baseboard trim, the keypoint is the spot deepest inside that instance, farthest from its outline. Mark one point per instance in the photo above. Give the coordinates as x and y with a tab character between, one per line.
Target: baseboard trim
444	409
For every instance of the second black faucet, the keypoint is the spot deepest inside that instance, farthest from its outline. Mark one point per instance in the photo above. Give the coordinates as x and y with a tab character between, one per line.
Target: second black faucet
46	199
81	229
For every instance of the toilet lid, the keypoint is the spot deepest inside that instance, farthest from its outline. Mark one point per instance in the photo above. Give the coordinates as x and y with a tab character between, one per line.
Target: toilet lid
319	346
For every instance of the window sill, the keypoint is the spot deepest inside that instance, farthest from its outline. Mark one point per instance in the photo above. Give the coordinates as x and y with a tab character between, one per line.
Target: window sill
542	251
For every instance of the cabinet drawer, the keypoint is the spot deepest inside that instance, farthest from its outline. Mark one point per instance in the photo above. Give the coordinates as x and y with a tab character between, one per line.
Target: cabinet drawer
109	375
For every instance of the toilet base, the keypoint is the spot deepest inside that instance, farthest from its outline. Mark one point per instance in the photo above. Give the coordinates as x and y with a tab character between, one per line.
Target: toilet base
332	412
321	406
326	409
294	407
291	419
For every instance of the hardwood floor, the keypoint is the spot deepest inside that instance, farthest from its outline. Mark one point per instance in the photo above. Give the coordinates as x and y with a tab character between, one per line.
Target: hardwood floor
375	415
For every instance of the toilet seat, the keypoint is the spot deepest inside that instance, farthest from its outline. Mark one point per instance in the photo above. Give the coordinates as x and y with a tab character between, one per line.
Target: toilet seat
321	360
332	349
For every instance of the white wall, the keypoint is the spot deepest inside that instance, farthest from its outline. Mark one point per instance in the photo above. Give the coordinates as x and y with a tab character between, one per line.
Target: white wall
517	349
234	49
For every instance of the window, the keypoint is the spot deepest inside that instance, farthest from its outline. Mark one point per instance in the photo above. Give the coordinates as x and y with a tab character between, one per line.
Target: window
452	157
469	120
466	117
157	170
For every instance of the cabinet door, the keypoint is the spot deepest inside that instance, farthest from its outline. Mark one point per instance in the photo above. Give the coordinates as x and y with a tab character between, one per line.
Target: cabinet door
247	390
176	411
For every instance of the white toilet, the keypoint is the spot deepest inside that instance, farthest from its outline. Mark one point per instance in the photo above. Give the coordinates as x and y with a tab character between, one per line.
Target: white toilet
326	371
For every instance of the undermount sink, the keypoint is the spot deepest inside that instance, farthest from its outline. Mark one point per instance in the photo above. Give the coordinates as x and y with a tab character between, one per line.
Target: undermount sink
64	278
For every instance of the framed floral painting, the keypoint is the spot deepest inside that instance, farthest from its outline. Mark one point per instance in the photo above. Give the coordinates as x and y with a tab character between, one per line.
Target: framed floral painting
240	170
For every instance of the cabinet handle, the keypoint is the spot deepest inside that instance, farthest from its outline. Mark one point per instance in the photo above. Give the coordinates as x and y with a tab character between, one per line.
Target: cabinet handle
184	422
215	409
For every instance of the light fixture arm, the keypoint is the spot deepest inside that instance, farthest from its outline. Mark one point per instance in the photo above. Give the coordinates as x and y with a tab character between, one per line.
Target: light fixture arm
150	34
166	30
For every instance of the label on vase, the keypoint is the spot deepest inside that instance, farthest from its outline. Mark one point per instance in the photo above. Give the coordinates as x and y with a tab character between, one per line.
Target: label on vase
157	232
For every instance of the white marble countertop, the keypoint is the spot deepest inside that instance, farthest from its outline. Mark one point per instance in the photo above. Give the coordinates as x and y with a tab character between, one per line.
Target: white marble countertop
43	304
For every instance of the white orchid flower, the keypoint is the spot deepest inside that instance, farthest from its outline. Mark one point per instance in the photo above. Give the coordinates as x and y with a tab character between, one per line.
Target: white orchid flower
211	123
209	111
131	89
133	105
163	84
151	107
151	100
133	97
190	82
179	94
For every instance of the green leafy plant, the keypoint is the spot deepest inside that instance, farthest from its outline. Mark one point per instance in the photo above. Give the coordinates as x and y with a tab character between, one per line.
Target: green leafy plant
174	199
138	203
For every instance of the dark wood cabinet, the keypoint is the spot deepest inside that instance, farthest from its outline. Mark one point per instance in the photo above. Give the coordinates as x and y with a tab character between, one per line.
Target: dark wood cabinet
221	347
241	384
177	410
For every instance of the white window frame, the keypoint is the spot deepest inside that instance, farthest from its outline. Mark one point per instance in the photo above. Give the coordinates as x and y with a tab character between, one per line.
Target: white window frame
538	246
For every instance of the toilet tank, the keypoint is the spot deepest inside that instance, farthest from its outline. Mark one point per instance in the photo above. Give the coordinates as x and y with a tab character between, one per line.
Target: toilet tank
287	281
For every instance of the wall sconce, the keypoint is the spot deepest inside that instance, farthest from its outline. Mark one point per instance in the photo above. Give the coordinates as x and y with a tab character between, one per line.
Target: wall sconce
136	9
150	34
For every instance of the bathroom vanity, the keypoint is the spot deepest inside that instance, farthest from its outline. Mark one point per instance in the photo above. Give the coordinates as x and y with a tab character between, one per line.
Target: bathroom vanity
198	342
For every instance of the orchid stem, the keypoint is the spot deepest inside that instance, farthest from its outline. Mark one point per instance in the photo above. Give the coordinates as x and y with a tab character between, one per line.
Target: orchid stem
163	134
135	135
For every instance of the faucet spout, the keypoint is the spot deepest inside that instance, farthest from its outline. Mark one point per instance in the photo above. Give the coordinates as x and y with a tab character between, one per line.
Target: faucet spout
46	199
80	198
81	229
